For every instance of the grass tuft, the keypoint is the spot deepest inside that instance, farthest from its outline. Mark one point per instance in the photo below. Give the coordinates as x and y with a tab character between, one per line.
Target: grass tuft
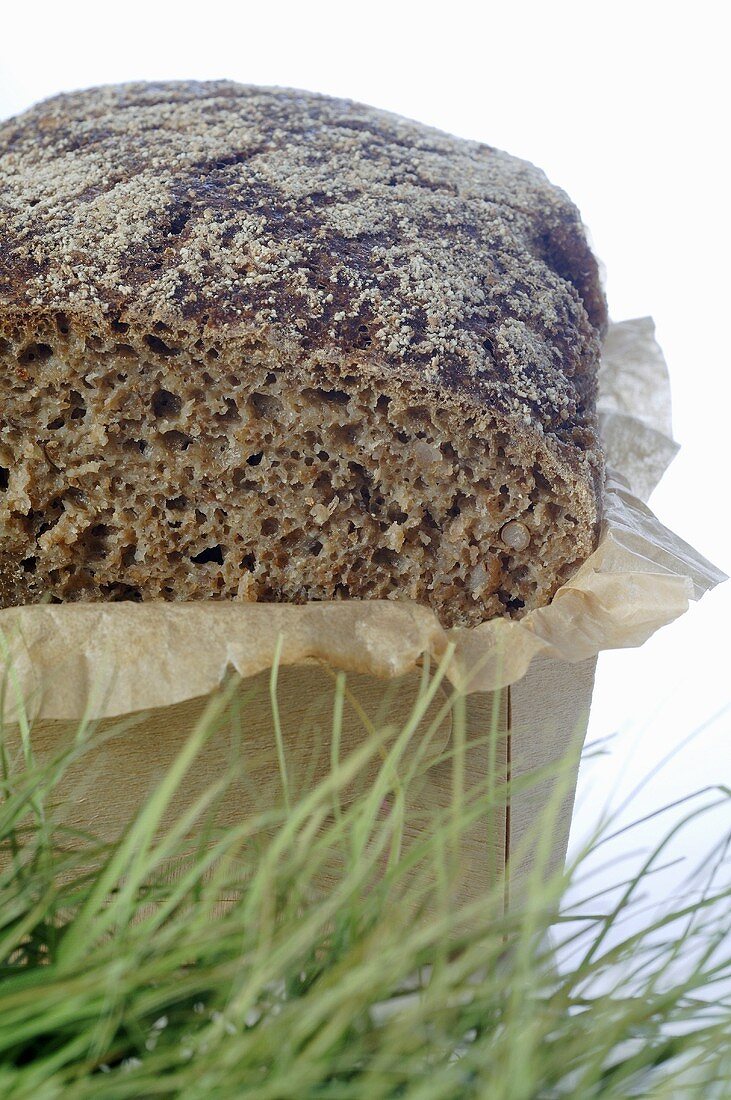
315	950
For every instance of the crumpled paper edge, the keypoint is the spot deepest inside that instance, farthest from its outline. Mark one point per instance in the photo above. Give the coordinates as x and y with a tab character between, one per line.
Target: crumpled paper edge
634	405
105	660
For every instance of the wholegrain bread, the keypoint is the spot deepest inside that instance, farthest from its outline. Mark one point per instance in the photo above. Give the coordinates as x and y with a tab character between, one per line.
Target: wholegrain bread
262	344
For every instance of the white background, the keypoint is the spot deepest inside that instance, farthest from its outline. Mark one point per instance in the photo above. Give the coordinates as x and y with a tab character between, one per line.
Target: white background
626	106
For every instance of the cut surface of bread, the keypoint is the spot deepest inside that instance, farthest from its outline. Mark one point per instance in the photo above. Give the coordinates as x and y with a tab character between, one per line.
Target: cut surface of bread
260	344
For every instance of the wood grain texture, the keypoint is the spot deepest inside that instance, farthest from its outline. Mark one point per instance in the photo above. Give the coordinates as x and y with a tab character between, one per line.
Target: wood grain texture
530	725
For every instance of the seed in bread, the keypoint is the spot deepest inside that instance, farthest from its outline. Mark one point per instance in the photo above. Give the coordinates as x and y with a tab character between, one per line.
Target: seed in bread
262	344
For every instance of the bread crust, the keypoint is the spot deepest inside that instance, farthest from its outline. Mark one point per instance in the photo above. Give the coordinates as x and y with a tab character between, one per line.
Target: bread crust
327	223
340	236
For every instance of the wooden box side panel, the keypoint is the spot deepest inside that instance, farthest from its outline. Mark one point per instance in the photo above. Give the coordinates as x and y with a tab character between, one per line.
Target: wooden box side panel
548	717
127	758
531	725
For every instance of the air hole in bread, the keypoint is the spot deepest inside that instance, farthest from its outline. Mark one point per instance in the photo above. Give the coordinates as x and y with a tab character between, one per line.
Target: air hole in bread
176	441
120	592
241	480
78	405
264	406
344	434
35	353
210	554
334	397
159	347
166	405
231	413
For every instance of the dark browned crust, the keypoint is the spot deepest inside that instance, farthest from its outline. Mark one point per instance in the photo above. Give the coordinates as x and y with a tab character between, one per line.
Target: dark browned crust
332	225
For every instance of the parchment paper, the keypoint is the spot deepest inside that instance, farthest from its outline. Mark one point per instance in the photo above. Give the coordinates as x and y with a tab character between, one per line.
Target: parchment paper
67	660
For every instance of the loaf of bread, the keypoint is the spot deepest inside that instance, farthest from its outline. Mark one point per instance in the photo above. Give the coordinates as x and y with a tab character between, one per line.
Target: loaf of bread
261	344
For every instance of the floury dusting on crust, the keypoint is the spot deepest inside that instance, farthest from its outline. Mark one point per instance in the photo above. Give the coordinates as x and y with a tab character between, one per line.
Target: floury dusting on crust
262	344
